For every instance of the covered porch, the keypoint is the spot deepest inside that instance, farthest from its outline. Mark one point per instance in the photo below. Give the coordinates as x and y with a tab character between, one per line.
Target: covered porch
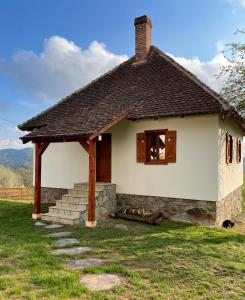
90	139
89	145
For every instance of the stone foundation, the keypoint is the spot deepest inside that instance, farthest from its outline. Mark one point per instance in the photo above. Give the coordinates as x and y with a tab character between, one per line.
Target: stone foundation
185	210
51	195
229	207
106	202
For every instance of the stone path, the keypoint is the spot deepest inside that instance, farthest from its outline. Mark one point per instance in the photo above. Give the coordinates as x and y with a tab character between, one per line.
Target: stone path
100	282
66	242
94	282
81	264
54	226
71	251
58	234
40	224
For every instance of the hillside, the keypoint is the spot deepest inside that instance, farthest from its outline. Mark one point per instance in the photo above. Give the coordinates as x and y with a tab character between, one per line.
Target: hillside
12	158
15	177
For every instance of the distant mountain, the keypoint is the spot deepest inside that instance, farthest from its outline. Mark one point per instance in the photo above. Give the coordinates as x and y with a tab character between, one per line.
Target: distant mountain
13	158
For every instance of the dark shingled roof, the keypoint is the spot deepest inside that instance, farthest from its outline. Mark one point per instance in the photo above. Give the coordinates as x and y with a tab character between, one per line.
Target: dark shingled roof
155	88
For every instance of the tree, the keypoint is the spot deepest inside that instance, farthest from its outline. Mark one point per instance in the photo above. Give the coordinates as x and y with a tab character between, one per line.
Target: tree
234	74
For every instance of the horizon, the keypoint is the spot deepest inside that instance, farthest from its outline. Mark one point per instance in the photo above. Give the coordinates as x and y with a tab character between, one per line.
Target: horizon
50	50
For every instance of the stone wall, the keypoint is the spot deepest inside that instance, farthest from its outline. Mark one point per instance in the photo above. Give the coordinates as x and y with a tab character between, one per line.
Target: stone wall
229	207
105	203
50	195
185	210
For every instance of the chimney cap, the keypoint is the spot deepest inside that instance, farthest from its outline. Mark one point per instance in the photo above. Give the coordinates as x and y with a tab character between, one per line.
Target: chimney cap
142	20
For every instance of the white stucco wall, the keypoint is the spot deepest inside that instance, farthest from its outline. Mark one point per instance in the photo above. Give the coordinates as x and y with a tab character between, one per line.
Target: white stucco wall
193	176
230	176
200	171
64	164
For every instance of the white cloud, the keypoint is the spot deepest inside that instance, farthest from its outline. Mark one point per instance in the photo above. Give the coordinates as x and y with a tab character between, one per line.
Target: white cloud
60	69
207	71
10	138
27	104
12	143
236	2
63	67
14	129
241	2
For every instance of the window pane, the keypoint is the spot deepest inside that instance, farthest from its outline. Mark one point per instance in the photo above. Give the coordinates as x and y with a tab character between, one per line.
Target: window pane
161	146
153	147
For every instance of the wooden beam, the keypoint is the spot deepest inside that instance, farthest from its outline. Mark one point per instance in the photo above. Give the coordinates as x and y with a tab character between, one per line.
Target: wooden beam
112	123
54	139
84	144
39	150
91	184
43	147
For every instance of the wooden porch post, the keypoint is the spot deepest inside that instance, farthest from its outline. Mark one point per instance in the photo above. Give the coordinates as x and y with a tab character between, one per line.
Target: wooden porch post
40	148
91	222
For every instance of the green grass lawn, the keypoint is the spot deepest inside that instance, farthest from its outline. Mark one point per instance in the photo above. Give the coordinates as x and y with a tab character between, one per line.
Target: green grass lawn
171	261
243	195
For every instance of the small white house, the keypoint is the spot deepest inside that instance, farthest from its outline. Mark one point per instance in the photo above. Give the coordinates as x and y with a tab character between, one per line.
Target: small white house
146	135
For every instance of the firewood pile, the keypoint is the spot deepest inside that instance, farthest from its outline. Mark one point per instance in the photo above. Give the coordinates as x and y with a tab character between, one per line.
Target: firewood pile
141	215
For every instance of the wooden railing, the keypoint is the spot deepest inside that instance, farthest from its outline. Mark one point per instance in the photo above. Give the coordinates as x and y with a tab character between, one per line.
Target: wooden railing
20	193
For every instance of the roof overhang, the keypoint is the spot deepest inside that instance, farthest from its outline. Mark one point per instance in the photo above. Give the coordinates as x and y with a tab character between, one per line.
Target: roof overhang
60	138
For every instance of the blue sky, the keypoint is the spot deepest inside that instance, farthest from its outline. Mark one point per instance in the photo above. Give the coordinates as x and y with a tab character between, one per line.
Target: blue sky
49	48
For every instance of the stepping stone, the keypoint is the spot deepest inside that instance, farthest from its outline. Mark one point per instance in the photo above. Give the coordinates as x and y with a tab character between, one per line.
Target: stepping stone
100	282
121	226
71	251
54	226
58	234
84	263
66	242
40	224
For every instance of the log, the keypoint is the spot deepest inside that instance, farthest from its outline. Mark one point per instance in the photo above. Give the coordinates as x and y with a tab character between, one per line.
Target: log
154	219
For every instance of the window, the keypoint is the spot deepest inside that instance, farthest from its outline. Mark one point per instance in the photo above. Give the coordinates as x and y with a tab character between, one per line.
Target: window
156	147
238	150
229	149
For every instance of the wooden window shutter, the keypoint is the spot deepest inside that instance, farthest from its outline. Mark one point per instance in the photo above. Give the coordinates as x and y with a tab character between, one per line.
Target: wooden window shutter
228	149
238	150
141	148
171	146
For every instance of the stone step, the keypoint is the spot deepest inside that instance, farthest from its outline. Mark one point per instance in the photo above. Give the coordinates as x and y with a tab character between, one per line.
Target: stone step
80	186
71	205
75	199
97	191
84	185
81	193
54	210
58	219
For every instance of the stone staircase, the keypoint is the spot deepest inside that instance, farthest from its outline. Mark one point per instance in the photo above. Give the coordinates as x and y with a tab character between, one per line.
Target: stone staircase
72	208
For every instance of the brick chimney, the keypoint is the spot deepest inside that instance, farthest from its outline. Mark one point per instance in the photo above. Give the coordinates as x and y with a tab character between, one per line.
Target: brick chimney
143	27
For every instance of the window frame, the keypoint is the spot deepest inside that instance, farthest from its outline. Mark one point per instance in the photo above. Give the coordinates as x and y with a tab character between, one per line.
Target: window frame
229	149
238	151
148	134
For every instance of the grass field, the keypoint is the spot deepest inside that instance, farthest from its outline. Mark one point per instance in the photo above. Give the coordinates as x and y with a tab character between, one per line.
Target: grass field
172	261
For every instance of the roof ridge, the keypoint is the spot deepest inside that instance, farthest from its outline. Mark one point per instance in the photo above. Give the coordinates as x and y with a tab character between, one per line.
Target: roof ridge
193	77
77	91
